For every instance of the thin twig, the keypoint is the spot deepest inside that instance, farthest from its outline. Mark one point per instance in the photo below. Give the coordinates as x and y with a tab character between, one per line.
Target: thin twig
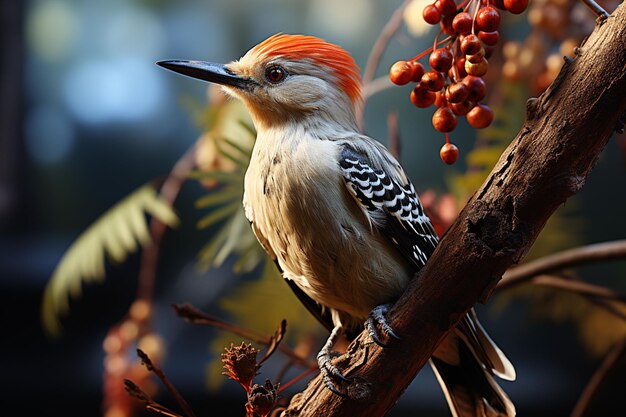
608	306
170	387
169	192
578	256
599	376
596	8
134	391
376	86
389	30
193	315
299	378
578	287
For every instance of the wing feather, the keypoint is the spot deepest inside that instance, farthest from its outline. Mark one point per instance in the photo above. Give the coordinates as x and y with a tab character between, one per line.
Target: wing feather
391	206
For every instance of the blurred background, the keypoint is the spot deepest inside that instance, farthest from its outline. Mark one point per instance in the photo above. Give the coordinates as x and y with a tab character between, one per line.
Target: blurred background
87	118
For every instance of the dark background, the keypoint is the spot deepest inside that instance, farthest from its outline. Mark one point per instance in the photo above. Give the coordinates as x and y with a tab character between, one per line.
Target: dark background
86	117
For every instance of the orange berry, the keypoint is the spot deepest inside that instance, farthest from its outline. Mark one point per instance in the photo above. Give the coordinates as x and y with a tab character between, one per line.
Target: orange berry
476	88
456	92
444	120
431	14
515	6
440	99
449	153
440	60
446	7
421	97
462	23
462	108
488	19
489	38
432	80
480	116
417	71
470	44
400	73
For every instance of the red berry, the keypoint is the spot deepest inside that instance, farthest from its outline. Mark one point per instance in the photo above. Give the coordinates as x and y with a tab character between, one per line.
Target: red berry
489	51
431	14
477	57
400	73
476	86
461	109
446	7
440	60
456	92
440	99
460	66
421	97
477	69
446	25
480	116
488	19
449	153
515	6
417	70
444	120
470	44
432	80
489	38
462	23
498	3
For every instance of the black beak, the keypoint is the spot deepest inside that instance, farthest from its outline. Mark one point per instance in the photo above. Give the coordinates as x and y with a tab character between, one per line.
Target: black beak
207	71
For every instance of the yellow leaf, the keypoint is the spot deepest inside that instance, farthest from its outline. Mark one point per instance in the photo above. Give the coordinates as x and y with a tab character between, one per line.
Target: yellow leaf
116	234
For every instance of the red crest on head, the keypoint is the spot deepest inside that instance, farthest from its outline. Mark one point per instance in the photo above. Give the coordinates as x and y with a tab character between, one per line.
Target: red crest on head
331	56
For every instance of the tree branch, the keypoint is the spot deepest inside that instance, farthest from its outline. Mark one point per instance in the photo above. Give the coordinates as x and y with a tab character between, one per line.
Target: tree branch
573	257
549	160
609	362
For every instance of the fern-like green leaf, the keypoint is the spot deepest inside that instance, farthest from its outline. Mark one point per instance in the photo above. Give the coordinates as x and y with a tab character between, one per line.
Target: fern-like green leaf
116	234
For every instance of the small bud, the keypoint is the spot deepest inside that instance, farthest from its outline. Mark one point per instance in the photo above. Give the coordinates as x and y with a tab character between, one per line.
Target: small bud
262	398
240	364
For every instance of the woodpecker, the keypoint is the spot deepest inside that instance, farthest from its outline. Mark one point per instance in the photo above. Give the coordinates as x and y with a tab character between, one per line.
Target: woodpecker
338	214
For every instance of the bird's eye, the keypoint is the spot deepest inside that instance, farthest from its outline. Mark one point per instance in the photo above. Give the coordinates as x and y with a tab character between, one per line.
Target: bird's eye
275	74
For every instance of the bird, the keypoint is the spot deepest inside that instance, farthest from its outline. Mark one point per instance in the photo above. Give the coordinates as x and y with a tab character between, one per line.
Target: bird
338	214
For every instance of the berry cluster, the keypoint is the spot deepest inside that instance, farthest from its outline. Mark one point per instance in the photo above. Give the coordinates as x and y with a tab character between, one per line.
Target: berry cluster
454	84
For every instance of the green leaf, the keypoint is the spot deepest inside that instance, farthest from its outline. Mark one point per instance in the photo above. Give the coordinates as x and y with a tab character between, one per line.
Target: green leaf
116	234
223	177
217	215
218	197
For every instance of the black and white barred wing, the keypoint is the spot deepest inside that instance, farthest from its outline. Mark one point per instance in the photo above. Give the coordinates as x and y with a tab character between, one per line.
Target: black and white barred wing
391	207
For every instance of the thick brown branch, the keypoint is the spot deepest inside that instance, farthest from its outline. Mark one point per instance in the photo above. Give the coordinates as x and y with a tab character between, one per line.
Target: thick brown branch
565	131
598	252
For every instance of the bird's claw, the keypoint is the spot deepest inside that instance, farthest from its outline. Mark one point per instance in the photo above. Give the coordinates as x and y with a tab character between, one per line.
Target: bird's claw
330	373
377	324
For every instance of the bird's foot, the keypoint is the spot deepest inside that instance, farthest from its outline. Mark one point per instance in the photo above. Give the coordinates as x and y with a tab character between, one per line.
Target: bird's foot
377	325
330	374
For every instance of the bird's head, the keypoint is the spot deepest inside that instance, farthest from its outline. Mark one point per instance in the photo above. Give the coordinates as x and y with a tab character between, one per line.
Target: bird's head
285	79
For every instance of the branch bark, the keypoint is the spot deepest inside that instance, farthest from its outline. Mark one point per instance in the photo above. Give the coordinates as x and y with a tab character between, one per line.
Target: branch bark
566	128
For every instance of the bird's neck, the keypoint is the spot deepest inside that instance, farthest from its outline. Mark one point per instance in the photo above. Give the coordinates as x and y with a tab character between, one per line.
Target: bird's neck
320	123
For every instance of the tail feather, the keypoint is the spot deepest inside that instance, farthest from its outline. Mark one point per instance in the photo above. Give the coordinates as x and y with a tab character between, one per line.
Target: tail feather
471	390
483	348
465	364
